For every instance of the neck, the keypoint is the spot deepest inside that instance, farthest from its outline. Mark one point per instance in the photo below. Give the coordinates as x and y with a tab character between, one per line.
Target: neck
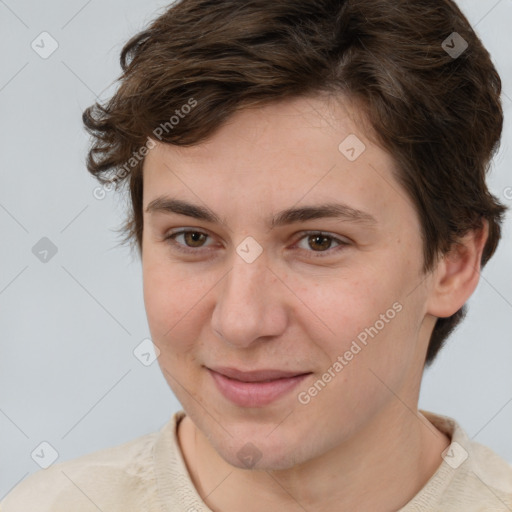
381	468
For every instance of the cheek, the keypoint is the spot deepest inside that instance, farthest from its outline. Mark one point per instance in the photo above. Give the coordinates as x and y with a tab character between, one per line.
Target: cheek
343	305
364	315
172	300
372	339
172	313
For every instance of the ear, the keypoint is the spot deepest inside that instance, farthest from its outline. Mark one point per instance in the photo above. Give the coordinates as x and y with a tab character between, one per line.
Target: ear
457	273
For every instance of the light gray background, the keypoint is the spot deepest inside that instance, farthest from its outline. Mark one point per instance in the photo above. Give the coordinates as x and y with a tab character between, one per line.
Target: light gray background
68	327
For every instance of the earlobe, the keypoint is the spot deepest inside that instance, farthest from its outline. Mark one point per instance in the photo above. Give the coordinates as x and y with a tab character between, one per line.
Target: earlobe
458	273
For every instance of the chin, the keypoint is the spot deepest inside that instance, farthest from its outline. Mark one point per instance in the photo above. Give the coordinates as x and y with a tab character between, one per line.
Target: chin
247	441
253	449
266	458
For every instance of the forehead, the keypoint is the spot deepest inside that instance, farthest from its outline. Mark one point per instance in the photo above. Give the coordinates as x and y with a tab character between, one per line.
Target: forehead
293	152
294	125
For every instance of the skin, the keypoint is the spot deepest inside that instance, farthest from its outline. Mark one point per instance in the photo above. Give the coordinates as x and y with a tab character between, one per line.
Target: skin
360	443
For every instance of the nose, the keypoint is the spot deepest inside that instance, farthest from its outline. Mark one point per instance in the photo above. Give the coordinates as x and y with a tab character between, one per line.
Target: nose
251	304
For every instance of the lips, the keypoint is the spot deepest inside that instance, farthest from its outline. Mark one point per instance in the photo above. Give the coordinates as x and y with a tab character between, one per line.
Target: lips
255	388
256	375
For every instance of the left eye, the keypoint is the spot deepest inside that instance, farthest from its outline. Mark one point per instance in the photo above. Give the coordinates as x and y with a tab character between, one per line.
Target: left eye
321	242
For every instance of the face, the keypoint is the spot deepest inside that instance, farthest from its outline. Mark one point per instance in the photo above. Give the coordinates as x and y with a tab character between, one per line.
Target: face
282	333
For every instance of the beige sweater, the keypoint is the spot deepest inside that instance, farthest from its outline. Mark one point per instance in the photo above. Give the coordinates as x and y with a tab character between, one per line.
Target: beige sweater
148	474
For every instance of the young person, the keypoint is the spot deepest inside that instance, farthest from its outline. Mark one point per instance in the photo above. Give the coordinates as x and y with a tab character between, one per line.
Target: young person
309	202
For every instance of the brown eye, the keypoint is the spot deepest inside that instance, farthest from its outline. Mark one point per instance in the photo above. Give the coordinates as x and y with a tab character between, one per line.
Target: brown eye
320	242
188	240
194	238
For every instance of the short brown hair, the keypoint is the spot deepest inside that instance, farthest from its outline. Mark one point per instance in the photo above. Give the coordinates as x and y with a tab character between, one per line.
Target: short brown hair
438	115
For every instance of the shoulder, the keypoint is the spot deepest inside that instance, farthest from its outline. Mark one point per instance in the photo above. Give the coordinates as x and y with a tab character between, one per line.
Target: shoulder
118	478
472	475
492	470
485	483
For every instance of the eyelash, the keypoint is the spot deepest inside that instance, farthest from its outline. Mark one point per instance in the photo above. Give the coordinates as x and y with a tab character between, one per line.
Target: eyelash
315	254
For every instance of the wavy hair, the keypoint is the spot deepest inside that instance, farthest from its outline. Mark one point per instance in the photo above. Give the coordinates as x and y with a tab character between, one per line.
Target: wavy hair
438	114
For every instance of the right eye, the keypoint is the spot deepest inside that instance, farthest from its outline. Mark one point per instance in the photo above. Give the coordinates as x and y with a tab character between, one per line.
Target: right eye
192	239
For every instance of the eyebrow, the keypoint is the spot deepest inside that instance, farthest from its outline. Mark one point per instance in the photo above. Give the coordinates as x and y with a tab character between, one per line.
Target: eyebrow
170	205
